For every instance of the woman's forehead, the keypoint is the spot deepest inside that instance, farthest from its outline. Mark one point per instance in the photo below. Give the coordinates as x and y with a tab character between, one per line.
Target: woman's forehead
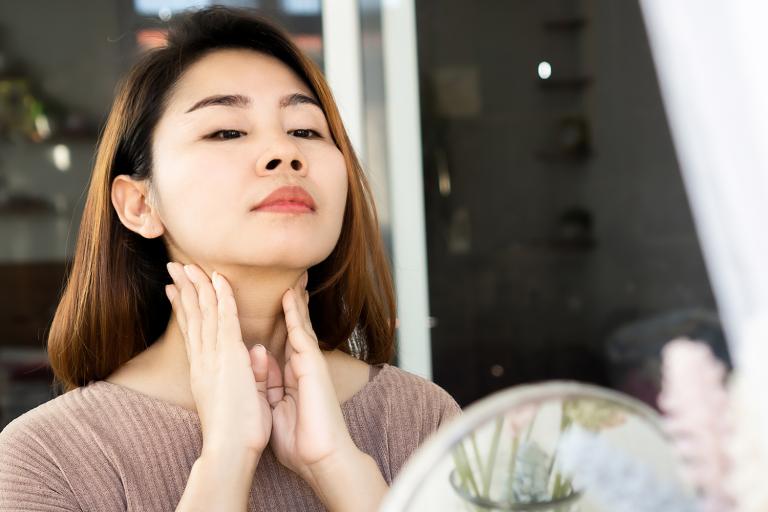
234	71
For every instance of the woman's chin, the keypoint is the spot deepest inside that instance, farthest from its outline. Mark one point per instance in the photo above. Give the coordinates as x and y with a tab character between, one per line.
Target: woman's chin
299	260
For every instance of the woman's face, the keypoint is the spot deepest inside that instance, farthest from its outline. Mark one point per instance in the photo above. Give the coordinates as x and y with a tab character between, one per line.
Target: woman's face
239	126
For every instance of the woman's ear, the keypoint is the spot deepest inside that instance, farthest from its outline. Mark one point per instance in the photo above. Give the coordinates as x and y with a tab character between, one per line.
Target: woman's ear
130	199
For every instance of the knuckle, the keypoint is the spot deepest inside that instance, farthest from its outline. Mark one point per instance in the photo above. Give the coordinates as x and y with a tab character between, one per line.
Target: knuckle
206	311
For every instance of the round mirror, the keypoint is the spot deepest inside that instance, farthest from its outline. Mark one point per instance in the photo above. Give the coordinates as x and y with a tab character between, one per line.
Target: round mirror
556	446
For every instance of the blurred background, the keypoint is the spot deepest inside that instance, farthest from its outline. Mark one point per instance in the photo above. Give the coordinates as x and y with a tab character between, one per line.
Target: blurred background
557	238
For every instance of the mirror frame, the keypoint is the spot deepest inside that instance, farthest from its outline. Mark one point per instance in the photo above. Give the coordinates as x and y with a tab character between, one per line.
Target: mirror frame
422	462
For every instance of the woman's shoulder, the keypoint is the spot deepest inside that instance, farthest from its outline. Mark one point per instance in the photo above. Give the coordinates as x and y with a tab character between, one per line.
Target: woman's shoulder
395	413
406	399
113	428
71	419
410	389
33	453
97	411
46	418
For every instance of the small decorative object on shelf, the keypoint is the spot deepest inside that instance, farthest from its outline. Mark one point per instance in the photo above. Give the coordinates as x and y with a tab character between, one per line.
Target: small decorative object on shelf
21	113
27	115
572	141
575	229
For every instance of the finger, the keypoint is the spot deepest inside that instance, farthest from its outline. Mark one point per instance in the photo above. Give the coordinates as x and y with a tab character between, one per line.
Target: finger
170	292
307	320
173	295
302	298
191	308
260	367
187	307
275	386
288	351
206	297
304	291
298	337
228	322
302	295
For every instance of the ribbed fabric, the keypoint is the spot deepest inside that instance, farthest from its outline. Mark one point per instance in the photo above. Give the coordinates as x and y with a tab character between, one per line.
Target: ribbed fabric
105	447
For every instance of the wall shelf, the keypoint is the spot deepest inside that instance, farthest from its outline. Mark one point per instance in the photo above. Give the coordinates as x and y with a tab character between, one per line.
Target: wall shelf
558	156
573	83
565	24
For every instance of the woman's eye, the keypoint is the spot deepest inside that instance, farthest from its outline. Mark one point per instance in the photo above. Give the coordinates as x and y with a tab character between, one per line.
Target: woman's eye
225	134
305	133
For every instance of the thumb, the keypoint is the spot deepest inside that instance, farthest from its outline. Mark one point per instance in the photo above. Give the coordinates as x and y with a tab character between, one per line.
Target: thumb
274	380
266	371
259	366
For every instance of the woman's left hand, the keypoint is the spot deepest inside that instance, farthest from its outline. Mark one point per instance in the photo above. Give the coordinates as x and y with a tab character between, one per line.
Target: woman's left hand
309	434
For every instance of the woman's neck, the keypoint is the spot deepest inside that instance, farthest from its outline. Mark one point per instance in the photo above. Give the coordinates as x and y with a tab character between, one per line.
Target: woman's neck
162	370
258	296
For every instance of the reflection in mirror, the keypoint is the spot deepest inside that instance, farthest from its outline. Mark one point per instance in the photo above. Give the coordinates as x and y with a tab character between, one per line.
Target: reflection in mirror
558	446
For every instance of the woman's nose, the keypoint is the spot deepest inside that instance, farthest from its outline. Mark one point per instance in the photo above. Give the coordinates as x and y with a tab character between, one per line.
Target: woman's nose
296	164
282	154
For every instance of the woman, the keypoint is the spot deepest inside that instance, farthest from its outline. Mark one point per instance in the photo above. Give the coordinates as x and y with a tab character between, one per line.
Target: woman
225	332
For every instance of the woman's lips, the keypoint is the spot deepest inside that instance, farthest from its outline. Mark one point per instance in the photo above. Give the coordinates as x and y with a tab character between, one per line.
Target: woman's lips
287	200
285	207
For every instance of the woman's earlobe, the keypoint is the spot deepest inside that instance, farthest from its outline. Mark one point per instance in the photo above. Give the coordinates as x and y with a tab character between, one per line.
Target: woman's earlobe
154	227
130	199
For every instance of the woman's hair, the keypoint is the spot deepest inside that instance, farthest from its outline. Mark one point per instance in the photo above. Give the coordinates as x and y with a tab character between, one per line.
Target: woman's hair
114	305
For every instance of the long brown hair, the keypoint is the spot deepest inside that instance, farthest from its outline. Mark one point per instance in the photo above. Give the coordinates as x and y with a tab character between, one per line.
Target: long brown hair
114	306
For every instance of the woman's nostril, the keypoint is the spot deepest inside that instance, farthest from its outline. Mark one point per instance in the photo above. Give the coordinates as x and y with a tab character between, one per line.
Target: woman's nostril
296	165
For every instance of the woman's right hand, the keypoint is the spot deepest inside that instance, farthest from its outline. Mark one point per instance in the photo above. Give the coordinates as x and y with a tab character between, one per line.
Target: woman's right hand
228	382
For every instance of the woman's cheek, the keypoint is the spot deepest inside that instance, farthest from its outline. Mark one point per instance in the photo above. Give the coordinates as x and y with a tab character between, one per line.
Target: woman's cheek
338	195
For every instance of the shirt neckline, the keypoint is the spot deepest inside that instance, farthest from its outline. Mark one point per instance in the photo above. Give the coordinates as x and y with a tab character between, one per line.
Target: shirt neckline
126	391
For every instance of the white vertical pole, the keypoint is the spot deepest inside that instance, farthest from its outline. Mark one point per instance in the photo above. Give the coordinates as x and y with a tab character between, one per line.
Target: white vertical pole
343	70
343	65
406	185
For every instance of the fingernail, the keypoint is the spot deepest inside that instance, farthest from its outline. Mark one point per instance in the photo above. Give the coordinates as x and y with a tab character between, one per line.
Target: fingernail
187	271
215	279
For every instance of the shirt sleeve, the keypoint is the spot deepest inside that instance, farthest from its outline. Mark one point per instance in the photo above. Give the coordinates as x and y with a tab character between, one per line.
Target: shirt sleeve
30	480
442	408
449	408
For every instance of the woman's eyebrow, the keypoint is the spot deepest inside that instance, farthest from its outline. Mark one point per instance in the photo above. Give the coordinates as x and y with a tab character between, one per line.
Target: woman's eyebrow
240	101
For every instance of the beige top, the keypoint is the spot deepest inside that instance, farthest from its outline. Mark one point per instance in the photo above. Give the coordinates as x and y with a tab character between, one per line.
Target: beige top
104	447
